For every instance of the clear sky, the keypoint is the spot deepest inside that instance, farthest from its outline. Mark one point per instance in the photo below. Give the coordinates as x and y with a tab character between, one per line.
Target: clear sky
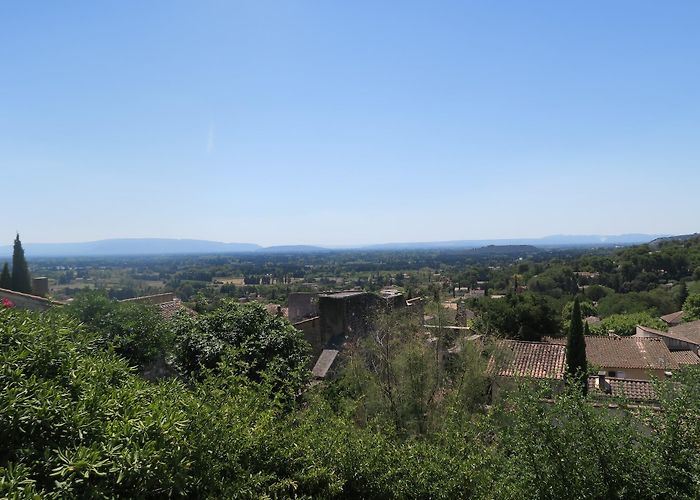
348	122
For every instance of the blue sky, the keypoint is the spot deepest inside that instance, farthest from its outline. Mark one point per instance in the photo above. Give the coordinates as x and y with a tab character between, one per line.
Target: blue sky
329	122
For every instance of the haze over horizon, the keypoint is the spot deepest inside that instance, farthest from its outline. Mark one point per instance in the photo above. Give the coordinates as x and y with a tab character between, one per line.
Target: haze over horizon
164	246
331	123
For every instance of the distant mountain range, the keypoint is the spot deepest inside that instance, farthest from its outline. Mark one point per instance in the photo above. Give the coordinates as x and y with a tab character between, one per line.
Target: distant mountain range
166	246
680	237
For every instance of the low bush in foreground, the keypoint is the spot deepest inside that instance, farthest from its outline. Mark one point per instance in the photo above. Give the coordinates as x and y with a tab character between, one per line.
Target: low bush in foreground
77	422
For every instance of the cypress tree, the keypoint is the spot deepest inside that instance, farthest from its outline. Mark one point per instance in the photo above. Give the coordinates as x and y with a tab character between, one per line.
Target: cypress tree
5	278
576	364
21	282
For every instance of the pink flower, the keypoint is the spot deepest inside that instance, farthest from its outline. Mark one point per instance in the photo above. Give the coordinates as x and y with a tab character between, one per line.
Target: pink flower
7	303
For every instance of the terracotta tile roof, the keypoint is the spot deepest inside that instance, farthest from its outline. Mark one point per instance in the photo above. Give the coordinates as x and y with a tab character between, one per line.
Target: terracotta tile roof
685	357
673	318
168	304
554	340
669	334
689	331
529	359
636	390
169	309
629	352
625	352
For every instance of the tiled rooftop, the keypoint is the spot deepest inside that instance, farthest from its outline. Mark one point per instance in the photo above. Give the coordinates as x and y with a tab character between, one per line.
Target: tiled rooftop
625	352
689	331
636	390
168	304
629	352
673	318
686	357
671	335
529	359
169	309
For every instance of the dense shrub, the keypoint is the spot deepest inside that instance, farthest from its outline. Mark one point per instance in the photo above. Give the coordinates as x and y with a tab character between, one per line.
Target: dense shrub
255	342
135	331
691	307
626	324
77	422
524	316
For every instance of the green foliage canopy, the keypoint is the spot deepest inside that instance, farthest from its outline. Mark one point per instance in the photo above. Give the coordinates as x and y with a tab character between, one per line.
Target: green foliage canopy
259	342
625	324
135	331
525	316
691	307
77	422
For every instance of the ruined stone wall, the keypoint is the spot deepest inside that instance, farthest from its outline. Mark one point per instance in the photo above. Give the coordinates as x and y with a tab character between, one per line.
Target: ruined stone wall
348	315
302	305
311	329
332	313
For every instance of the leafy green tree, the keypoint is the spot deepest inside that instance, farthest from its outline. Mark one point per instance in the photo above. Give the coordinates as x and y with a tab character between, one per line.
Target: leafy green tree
655	302
626	324
527	314
570	449
576	365
21	281
677	434
691	307
398	377
596	292
587	309
77	422
135	331
259	343
5	278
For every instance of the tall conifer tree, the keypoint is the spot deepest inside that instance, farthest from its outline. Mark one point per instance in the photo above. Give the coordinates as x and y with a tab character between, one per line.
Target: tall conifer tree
5	278
21	282
576	364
